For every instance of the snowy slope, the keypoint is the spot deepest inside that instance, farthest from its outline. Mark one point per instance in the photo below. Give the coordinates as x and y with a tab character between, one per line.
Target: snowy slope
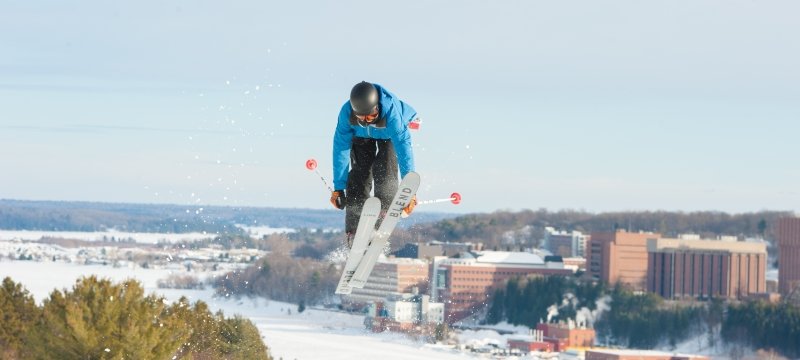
314	334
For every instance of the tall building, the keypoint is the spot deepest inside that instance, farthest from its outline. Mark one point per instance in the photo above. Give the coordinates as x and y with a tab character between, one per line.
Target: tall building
465	284
620	257
390	276
789	260
565	243
704	269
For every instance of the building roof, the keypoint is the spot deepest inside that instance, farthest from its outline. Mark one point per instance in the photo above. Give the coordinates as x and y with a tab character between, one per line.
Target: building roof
634	352
672	245
508	258
399	260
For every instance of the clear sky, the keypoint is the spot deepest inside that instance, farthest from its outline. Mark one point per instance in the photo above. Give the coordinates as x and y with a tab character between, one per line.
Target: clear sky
595	105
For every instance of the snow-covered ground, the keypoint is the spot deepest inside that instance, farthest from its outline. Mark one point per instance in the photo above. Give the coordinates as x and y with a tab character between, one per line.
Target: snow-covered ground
258	232
313	334
145	238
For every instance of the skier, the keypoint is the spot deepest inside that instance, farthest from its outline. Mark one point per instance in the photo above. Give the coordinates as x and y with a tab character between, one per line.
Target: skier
373	138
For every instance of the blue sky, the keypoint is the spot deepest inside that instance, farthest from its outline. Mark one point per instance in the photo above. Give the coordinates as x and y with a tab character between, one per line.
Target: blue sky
601	105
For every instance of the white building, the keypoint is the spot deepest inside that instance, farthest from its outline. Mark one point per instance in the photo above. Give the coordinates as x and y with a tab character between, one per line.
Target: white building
565	243
407	308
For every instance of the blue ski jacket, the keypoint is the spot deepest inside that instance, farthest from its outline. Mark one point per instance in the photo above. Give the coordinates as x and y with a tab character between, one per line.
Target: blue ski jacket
391	124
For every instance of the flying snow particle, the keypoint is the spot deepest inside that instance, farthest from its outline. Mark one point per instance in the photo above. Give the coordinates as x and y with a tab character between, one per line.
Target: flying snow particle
552	312
108	350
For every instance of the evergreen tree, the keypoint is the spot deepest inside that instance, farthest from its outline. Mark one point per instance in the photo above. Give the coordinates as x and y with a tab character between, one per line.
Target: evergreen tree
18	312
442	332
764	325
100	320
241	340
496	312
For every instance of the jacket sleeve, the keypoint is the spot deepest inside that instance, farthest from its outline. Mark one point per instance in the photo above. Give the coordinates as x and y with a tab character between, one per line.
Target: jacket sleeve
401	115
342	142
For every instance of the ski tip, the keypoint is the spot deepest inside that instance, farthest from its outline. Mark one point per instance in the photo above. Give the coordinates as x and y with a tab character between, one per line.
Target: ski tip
412	175
311	164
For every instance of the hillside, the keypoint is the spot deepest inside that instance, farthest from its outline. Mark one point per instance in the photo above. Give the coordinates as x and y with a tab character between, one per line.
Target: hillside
503	228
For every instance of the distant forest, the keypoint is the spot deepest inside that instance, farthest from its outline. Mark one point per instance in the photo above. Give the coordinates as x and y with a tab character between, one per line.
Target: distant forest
501	229
92	216
504	229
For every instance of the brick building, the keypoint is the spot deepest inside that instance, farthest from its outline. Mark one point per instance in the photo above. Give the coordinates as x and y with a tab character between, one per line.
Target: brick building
704	269
618	354
567	335
789	260
527	344
465	284
619	257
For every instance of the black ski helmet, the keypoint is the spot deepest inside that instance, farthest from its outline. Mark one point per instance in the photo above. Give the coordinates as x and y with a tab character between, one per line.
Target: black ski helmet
363	98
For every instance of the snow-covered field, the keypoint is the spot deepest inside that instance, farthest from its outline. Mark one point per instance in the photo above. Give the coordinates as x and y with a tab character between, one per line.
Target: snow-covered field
313	334
145	238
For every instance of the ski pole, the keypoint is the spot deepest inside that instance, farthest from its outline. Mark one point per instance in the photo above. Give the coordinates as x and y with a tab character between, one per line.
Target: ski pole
454	198
311	165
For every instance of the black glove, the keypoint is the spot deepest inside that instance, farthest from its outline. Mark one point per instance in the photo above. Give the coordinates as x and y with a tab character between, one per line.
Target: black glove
337	199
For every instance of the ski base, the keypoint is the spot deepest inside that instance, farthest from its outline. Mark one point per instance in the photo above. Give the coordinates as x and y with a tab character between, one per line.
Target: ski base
405	192
366	227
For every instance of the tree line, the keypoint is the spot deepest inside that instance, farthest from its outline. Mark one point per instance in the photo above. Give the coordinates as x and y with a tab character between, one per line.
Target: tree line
646	321
493	229
93	216
99	319
282	278
764	325
282	275
528	300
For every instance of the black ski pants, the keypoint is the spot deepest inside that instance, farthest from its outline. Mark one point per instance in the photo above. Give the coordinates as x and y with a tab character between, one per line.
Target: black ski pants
370	160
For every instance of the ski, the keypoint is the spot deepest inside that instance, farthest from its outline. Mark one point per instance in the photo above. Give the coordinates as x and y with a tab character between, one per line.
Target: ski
366	227
405	192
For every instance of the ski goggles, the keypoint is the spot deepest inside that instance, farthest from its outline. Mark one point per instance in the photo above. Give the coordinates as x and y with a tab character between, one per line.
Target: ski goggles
370	117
